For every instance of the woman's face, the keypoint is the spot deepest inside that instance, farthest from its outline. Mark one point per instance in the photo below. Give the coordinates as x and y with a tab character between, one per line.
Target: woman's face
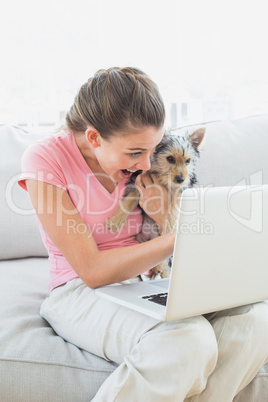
123	154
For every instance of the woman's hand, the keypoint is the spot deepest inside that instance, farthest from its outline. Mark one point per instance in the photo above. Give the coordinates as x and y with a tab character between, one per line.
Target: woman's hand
153	197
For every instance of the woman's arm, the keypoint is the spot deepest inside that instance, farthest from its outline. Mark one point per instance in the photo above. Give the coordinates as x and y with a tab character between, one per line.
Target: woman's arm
96	268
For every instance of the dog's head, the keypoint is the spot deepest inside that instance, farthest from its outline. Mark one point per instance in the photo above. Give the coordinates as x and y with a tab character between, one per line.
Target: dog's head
175	157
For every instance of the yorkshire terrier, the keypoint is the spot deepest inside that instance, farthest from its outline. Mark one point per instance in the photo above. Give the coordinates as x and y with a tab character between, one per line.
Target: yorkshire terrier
173	163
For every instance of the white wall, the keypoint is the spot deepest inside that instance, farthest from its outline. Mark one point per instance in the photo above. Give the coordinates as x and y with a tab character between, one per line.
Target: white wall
209	55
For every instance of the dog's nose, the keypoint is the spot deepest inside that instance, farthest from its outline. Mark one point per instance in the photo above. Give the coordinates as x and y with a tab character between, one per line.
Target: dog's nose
179	179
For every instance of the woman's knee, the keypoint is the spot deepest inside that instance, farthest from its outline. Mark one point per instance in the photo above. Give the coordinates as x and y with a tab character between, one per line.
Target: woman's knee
254	315
260	320
261	314
203	337
192	338
202	353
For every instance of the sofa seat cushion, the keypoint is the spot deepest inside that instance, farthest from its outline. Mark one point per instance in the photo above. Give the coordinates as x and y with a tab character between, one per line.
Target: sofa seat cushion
35	363
257	390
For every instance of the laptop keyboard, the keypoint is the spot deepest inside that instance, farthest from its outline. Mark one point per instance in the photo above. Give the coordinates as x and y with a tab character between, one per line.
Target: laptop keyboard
160	298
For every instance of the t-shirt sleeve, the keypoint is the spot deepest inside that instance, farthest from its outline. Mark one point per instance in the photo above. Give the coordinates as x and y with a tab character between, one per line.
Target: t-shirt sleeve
40	162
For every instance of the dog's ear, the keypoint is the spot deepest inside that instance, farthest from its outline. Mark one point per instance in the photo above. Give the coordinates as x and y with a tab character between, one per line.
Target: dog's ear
197	137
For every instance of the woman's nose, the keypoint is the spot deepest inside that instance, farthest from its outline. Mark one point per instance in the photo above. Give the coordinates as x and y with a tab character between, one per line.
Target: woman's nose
144	163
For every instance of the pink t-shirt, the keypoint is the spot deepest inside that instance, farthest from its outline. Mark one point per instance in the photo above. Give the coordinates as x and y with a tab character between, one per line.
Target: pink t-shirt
57	160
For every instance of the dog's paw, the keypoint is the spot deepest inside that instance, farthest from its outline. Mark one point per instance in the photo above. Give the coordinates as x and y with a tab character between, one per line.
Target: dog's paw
162	270
116	222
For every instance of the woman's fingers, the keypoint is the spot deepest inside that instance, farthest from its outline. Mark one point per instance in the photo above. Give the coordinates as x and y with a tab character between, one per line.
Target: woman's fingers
143	180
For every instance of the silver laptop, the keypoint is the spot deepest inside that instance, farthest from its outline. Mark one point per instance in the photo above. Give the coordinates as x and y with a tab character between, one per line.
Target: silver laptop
220	257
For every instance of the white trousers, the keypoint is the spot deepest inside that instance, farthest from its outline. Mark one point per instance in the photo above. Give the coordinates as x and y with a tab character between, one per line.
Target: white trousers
206	359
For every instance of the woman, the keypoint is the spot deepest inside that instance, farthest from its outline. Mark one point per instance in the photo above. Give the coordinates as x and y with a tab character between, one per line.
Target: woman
75	180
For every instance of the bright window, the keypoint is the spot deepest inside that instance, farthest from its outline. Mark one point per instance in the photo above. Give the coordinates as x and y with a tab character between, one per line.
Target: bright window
208	57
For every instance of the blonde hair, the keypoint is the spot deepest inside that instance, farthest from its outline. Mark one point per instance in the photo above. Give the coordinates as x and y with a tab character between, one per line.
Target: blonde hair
116	100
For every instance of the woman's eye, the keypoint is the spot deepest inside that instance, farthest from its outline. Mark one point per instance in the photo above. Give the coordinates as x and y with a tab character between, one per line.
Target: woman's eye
170	159
188	161
135	154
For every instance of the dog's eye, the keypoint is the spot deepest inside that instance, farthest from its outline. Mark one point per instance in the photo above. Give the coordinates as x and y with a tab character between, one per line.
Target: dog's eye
171	159
188	161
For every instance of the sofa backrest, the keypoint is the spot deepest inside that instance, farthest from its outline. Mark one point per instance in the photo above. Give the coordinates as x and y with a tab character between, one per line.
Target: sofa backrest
234	153
19	234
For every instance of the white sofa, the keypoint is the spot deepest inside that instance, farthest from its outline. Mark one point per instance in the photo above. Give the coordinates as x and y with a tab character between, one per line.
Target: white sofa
36	365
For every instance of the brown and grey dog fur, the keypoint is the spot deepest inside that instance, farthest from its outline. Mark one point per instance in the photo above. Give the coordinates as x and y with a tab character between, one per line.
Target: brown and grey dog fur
173	162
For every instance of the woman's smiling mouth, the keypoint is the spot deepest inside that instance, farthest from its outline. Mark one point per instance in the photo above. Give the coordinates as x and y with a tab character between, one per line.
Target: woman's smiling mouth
127	172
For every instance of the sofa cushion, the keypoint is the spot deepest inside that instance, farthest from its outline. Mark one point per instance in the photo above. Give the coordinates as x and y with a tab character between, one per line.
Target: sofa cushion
19	234
234	152
257	390
35	363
